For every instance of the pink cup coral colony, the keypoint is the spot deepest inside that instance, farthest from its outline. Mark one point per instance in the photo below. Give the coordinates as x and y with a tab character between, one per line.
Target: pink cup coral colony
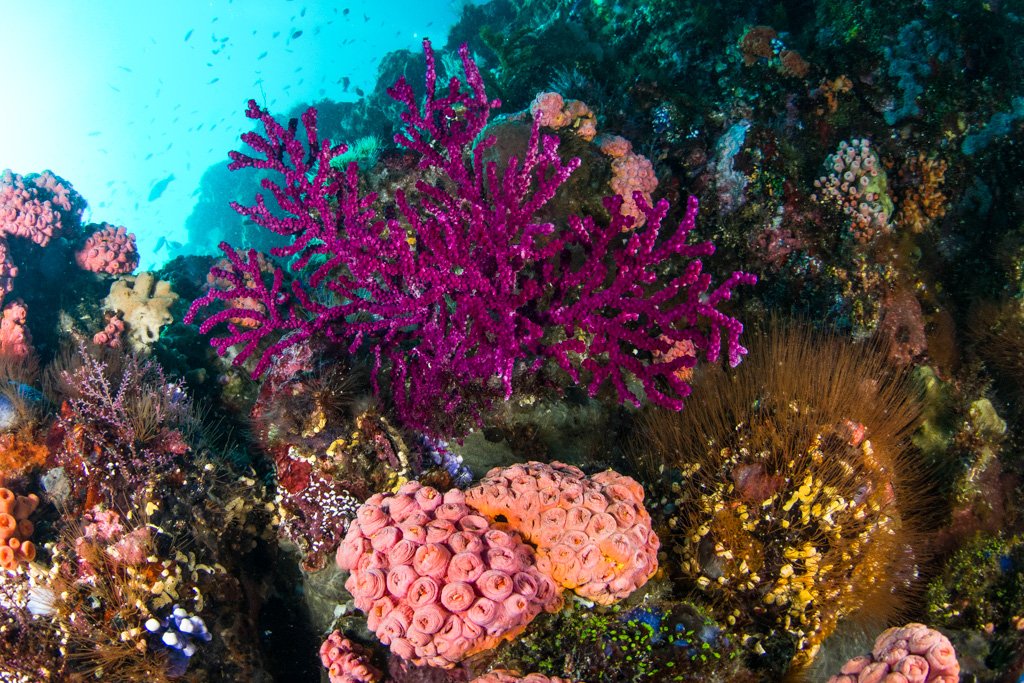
440	579
910	654
346	662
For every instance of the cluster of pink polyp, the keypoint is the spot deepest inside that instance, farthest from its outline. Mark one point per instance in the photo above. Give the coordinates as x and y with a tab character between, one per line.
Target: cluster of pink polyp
109	250
40	207
857	183
436	581
465	287
909	653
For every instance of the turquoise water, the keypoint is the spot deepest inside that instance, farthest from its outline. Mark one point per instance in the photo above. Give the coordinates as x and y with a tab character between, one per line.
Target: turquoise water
119	96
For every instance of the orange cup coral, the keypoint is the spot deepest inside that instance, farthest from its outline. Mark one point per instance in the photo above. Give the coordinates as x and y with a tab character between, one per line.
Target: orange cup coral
16	528
592	534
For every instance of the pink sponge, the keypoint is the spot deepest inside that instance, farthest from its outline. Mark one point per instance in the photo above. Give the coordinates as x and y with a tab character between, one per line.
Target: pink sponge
109	250
438	582
505	676
593	534
347	662
37	206
909	654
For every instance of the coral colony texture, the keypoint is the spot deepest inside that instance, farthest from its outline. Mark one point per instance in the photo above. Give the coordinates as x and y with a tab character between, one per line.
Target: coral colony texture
473	392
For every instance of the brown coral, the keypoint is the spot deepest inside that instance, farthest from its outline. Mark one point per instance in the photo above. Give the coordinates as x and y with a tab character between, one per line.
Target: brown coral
919	184
795	507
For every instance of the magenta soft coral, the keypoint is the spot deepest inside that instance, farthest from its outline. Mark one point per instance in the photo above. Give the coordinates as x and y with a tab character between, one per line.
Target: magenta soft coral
466	288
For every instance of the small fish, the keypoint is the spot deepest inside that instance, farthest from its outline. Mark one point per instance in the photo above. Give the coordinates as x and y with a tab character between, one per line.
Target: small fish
296	35
170	245
276	34
148	157
345	12
113	88
124	68
262	55
95	133
189	34
213	80
345	82
303	12
159	187
359	92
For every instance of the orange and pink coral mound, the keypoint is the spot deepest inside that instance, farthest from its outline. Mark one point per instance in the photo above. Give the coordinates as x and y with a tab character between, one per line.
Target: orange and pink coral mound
109	250
592	534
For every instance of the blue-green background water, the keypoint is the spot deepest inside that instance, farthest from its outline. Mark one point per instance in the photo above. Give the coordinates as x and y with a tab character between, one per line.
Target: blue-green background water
117	96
